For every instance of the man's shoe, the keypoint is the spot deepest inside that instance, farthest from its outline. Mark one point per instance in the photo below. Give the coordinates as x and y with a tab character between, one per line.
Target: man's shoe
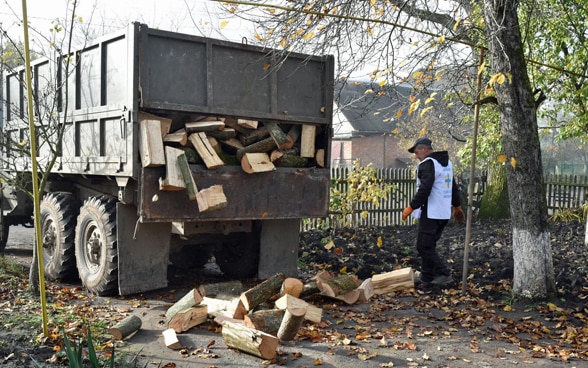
442	280
419	281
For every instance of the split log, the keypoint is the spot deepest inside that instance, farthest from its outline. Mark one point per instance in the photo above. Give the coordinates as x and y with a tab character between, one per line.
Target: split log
291	323
189	300
189	182
232	288
185	320
366	291
253	163
240	311
267	320
220	318
262	291
151	143
164	123
171	339
209	156
125	328
291	286
174	180
257	343
307	141
395	280
313	313
204	126
277	134
231	145
248	124
211	199
293	135
254	136
214	144
336	286
232	123
263	146
226	133
320	157
179	137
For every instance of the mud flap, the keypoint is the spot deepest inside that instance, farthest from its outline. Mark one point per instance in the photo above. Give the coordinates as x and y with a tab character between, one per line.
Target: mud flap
143	253
278	251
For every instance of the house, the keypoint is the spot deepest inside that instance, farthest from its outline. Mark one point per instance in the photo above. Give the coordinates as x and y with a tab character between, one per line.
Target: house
365	123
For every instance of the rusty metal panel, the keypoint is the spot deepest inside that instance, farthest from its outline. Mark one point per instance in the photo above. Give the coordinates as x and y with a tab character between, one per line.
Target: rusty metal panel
280	194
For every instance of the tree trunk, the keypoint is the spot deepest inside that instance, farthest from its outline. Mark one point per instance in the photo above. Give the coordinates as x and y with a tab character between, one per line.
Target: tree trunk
533	265
495	202
34	272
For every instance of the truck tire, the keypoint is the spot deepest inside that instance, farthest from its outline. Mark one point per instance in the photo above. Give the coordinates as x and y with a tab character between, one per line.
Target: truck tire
58	222
96	253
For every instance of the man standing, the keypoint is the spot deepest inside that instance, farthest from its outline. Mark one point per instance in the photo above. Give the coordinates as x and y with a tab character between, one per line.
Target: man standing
432	204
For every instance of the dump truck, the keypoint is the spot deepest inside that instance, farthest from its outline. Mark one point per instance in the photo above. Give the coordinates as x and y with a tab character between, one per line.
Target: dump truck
112	213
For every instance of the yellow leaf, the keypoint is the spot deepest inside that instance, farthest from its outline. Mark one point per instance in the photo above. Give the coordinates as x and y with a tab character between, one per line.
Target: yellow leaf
481	68
318	361
423	132
380	241
266	67
258	37
382	83
343	270
412	98
441	39
425	111
502	159
395	131
399	114
368	91
224	24
507	308
500	79
456	24
329	245
271	11
429	100
308	36
513	162
414	106
373	2
416	75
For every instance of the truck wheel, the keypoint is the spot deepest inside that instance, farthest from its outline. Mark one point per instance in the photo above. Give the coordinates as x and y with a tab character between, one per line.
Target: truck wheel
58	215
96	253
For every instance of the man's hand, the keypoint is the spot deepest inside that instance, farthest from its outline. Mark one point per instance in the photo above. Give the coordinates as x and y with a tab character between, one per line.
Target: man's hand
407	211
458	215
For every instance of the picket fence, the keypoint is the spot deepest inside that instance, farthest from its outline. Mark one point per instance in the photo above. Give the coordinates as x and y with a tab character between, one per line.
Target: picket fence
562	191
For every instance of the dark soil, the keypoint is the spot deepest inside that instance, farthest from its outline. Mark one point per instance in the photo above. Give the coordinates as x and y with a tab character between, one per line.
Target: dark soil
486	327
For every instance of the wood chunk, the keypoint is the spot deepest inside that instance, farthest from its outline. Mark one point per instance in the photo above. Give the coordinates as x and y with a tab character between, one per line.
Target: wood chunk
220	318
231	145
262	291
204	126
292	286
247	124
254	136
191	155
253	163
214	143
126	327
209	156
263	146
189	300
291	323
189	182
164	123
171	339
240	310
395	280
267	320
151	143
230	288
232	123
313	313
211	199
339	285
278	135
366	291
186	319
226	133
179	137
174	179
293	135
254	342
307	141
288	160
320	157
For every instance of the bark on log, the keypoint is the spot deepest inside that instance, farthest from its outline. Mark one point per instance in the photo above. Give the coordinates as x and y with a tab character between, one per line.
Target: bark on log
249	340
395	280
232	288
189	300
277	134
204	126
262	291
231	145
125	327
339	285
227	133
254	136
288	160
267	320
232	123
185	320
291	323
262	146
309	289
293	135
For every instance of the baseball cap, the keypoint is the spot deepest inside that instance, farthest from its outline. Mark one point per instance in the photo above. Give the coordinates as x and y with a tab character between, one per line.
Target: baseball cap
421	141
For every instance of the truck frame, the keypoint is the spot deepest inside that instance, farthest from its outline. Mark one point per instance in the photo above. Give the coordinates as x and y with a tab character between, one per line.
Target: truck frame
103	215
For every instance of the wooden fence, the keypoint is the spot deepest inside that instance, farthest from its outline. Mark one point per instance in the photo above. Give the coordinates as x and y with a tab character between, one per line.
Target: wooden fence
563	191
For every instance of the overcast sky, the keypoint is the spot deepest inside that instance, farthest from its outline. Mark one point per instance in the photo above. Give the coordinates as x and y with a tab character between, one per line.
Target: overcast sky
199	17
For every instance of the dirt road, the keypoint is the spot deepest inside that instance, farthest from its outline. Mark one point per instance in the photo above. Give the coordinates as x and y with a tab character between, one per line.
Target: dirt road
405	329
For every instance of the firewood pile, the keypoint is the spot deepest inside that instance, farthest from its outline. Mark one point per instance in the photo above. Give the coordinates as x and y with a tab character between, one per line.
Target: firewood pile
256	146
256	320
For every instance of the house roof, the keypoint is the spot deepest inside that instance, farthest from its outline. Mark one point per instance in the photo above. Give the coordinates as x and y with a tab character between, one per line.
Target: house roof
361	110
